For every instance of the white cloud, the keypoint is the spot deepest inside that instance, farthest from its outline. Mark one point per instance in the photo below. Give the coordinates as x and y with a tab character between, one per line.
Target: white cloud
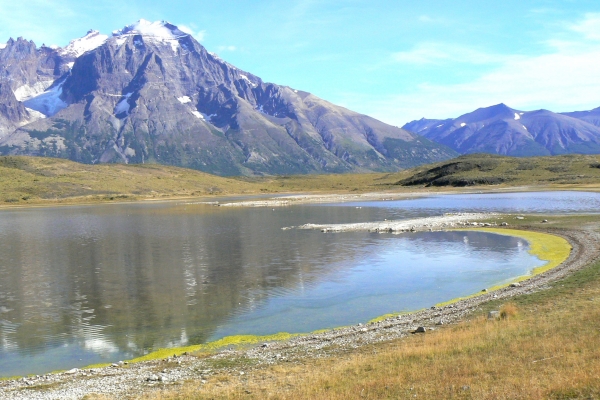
564	78
589	27
199	35
227	48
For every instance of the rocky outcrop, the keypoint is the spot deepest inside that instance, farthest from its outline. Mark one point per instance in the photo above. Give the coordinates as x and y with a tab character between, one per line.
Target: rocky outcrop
12	112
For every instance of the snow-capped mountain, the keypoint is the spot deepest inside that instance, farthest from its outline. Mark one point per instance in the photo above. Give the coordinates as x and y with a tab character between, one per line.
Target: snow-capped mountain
152	93
503	130
92	40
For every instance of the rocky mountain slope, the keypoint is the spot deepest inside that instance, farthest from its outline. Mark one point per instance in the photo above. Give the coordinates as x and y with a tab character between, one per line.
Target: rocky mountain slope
503	130
152	93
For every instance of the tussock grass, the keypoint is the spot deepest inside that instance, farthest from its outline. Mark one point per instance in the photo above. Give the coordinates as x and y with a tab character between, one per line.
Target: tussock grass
508	310
546	349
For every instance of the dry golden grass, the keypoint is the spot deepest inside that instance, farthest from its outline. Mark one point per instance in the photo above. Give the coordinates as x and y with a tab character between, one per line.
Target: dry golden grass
39	180
549	349
508	310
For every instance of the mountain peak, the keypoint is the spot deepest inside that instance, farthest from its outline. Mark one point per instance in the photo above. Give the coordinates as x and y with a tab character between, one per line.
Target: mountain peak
150	93
92	40
158	29
485	113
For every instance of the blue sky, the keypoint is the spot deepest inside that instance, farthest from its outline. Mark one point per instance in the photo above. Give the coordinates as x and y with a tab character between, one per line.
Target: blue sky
394	60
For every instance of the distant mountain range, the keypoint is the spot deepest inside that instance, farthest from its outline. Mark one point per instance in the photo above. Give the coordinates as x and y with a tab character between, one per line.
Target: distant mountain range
152	93
503	130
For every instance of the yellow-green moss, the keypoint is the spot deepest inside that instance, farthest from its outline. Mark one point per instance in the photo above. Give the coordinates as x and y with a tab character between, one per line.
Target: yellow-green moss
550	248
390	315
237	340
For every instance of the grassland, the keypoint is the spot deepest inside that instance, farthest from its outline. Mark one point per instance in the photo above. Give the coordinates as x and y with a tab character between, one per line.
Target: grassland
38	180
487	169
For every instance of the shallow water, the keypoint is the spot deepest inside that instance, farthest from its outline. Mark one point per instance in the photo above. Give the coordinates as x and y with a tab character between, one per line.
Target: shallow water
558	202
81	285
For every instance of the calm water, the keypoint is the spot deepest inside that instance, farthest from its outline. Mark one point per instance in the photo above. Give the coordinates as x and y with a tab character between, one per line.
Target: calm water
81	285
527	202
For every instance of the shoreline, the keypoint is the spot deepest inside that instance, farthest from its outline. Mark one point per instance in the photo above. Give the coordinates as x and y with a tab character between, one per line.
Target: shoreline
288	198
121	379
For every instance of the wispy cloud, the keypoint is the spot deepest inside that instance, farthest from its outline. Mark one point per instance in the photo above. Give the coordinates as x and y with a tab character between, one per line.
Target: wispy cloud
198	34
428	19
589	27
226	48
438	53
563	77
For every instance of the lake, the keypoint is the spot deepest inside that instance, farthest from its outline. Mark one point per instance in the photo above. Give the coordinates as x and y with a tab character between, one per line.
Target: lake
88	284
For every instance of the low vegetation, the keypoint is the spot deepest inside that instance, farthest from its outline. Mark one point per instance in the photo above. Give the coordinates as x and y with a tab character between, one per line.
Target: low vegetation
488	169
39	180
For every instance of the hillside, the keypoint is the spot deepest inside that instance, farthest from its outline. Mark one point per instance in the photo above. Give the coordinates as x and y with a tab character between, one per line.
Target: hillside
488	169
40	180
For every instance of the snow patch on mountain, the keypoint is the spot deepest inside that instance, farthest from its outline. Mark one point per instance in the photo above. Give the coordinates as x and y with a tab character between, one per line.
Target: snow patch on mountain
28	91
244	77
2	45
92	40
462	124
35	115
123	106
120	40
198	115
184	99
158	31
48	102
517	116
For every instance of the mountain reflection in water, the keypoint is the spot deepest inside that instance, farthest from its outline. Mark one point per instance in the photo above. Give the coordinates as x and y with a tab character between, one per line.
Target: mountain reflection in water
81	285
